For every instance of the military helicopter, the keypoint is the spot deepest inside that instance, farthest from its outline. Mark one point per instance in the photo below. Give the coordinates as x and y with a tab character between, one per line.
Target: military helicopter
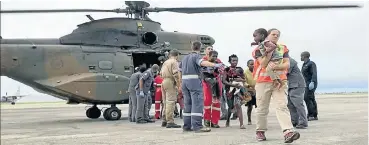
92	65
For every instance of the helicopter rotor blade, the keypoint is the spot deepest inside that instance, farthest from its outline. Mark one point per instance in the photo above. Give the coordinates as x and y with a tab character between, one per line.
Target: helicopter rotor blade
63	10
194	10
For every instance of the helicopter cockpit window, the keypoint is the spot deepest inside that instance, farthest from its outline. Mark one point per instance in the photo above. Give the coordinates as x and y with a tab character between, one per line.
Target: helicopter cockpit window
105	65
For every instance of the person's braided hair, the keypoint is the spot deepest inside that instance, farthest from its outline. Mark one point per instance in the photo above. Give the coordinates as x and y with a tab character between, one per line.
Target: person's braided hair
232	56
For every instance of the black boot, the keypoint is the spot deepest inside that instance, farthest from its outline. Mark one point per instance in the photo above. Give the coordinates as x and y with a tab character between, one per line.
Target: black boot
173	125
149	121
141	121
215	125
163	124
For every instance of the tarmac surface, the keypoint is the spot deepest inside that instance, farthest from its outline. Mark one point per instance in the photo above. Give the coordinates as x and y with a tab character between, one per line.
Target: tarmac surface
342	121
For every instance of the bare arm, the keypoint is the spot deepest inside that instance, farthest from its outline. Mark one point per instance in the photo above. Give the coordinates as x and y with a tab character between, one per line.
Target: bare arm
202	62
207	63
285	64
225	82
141	84
262	59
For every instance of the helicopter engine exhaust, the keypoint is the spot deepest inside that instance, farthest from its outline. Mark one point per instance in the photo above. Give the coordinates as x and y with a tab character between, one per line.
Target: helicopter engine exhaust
149	38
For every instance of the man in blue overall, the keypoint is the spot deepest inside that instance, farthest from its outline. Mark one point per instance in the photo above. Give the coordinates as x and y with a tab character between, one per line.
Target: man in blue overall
190	67
143	94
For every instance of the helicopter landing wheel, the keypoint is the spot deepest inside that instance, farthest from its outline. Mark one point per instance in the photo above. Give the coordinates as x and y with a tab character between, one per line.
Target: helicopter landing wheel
112	113
93	112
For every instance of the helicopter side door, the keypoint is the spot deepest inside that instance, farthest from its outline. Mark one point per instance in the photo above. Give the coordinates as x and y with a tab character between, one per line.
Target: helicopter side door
100	62
123	69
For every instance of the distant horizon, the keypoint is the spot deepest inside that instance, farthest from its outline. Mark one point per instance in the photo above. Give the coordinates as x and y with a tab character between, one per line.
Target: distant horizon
40	97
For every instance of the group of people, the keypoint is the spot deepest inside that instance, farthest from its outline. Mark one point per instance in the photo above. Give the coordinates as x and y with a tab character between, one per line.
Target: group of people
203	85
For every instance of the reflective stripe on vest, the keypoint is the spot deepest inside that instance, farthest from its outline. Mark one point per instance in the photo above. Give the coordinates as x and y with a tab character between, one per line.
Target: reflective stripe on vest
260	74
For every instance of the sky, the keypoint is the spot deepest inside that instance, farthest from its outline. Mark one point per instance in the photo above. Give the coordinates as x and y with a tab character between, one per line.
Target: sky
336	39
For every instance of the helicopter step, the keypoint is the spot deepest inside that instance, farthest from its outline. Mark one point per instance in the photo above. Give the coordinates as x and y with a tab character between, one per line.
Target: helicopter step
112	113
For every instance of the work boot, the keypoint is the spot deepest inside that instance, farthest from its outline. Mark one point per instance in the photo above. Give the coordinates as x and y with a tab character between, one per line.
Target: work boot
291	136
163	124
207	123
260	135
186	130
312	118
141	121
301	126
173	125
203	129
215	125
149	121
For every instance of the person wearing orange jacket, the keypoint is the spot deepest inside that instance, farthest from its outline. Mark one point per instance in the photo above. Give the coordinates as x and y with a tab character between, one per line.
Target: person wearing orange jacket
265	90
158	95
212	87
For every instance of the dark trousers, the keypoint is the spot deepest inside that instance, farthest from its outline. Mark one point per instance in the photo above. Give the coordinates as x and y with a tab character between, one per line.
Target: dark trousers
310	101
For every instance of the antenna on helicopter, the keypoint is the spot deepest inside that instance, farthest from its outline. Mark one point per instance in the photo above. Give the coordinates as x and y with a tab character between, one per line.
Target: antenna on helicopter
89	17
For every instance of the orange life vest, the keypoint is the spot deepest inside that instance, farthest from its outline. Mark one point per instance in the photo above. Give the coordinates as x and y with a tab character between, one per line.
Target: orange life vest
260	74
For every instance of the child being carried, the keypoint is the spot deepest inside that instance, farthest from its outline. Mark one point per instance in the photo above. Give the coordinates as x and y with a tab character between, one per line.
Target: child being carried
268	48
242	91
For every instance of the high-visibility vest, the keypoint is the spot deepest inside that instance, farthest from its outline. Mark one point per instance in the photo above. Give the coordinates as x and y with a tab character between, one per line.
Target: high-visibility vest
259	72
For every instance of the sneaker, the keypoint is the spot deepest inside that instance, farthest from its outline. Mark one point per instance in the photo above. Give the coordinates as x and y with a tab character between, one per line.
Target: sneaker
260	136
291	136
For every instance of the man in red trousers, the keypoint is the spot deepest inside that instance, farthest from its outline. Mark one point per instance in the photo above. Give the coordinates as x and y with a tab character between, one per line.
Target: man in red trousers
212	87
158	95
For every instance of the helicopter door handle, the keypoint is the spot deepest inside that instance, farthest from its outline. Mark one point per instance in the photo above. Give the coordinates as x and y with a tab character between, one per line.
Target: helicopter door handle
91	67
127	69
